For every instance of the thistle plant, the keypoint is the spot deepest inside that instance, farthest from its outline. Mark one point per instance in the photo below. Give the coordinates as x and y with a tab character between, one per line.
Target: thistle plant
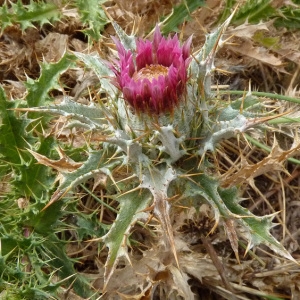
157	123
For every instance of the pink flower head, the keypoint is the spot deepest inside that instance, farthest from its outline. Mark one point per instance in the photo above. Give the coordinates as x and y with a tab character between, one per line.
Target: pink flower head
154	78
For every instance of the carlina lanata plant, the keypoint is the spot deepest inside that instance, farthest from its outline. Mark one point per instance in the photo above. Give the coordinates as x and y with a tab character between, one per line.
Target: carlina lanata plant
158	122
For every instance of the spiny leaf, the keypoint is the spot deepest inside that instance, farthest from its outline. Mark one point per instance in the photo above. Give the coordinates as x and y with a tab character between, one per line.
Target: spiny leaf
38	90
257	229
157	181
128	41
64	164
26	15
96	63
225	204
92	14
35	180
43	222
131	209
61	262
204	60
95	164
171	144
86	116
30	180
235	118
249	106
12	132
202	66
223	130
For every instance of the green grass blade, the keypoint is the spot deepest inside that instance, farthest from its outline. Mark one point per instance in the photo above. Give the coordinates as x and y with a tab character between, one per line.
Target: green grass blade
262	94
180	13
